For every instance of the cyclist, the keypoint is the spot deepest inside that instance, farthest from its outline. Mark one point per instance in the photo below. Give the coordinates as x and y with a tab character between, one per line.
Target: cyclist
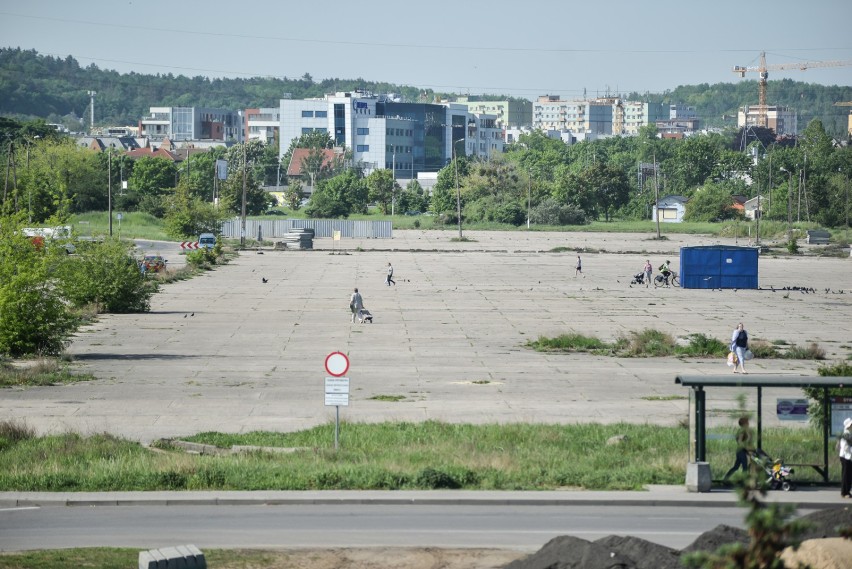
666	271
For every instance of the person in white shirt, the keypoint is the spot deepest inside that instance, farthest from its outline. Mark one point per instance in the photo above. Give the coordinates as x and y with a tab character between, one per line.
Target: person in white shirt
846	459
390	280
356	303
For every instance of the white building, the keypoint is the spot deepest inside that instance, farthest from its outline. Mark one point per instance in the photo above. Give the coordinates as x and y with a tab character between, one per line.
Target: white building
262	124
382	132
191	123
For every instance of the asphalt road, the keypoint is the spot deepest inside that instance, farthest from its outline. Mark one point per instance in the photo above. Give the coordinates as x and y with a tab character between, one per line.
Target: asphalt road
324	526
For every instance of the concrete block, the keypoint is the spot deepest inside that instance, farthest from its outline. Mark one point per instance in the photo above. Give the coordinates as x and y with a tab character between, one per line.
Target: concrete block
178	557
698	478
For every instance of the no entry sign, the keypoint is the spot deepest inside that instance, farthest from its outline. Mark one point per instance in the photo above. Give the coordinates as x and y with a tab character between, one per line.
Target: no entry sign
336	364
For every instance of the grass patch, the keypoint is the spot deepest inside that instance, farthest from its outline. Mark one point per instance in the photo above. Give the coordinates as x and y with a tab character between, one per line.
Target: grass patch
38	373
389	456
393	398
572	343
664	397
121	558
650	343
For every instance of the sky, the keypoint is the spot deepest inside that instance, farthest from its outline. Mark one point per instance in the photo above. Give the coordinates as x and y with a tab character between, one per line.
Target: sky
546	47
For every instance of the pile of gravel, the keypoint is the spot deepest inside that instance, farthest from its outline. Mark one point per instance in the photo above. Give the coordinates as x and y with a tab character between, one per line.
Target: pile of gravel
615	552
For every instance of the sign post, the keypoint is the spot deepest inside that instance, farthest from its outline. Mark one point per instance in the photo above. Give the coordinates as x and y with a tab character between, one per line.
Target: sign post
336	388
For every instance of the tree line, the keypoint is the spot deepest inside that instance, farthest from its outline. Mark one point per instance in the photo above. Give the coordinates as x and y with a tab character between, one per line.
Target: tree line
537	179
56	89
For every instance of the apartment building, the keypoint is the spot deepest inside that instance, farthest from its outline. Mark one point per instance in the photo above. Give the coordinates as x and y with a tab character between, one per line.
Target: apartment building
191	123
513	113
262	124
552	113
783	120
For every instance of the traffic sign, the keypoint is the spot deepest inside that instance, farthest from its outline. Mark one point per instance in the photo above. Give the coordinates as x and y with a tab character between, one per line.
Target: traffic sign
337	400
189	245
337	364
337	385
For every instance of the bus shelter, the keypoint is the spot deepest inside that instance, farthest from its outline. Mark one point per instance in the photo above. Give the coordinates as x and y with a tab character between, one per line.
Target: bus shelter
700	385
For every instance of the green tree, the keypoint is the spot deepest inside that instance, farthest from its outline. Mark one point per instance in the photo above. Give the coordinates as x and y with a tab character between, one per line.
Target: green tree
294	195
381	188
34	320
105	274
152	175
187	215
339	196
714	202
412	198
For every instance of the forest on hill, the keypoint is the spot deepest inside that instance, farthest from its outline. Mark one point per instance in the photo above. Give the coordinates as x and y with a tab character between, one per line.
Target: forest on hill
56	89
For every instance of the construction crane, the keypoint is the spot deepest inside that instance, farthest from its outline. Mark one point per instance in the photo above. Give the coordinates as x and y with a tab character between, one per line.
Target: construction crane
764	70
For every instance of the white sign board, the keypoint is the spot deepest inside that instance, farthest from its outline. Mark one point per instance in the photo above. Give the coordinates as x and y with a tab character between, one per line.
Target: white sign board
337	391
841	408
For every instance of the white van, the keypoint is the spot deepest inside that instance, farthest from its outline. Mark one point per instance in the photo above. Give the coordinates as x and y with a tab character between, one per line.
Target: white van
206	241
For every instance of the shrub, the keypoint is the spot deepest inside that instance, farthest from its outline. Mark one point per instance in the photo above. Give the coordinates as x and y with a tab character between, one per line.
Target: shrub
106	274
792	245
551	212
700	345
202	258
812	352
763	350
650	342
13	432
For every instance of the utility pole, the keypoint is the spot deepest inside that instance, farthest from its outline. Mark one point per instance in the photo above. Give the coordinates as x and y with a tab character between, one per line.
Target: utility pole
789	203
92	111
109	188
656	196
243	211
458	191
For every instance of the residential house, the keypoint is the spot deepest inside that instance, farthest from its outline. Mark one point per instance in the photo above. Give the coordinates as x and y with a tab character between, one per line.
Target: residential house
670	209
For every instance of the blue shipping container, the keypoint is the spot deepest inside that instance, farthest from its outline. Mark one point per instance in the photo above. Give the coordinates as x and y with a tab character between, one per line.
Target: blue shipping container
718	266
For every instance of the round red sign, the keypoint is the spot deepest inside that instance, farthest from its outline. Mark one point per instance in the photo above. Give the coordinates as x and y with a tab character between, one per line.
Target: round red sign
337	364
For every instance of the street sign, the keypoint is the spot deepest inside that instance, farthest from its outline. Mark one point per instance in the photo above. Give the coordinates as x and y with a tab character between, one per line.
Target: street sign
337	400
189	245
336	364
337	385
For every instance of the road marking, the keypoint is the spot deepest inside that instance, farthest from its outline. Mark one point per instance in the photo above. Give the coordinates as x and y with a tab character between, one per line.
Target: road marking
22	508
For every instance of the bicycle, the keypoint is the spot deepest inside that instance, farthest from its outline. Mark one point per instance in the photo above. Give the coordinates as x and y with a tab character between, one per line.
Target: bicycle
660	280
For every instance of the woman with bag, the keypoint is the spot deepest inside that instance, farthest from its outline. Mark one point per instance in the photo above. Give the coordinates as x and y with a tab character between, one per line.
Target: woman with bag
739	345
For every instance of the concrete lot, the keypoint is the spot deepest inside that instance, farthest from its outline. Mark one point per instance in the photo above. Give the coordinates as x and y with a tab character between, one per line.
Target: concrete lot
227	352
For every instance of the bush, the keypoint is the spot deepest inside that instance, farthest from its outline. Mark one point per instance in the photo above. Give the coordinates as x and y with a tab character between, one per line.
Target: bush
202	258
551	212
33	317
105	274
650	342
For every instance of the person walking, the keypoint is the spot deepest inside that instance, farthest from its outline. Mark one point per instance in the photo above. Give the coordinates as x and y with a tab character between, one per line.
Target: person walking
846	459
648	269
739	345
356	303
389	280
579	269
745	445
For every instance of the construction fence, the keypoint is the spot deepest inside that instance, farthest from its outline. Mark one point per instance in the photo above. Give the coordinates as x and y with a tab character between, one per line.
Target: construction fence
277	228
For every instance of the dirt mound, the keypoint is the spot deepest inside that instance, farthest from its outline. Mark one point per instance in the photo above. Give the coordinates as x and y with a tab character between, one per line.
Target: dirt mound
825	523
718	536
616	552
613	552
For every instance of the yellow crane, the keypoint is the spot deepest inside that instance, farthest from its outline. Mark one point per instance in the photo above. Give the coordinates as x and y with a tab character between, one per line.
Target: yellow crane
764	70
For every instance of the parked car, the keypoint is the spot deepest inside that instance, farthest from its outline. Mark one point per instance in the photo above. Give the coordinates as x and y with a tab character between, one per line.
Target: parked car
207	241
154	263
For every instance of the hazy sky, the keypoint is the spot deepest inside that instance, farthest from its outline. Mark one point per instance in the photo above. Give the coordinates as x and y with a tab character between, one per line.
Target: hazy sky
559	47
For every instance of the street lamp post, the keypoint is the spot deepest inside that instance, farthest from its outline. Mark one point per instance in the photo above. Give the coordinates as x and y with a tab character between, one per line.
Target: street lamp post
458	191
109	188
789	203
243	209
529	197
656	197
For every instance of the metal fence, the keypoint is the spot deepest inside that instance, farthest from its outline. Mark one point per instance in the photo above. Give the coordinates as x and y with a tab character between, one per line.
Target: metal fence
275	228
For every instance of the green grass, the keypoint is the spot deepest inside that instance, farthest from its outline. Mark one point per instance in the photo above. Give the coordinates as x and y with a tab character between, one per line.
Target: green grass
134	225
122	558
650	343
29	373
385	456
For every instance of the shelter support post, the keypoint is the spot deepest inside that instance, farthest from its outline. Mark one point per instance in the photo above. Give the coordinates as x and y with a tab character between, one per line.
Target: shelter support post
700	426
759	417
825	432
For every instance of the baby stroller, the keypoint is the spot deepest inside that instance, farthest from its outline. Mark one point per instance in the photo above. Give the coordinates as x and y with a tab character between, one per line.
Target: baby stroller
638	278
365	315
779	477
